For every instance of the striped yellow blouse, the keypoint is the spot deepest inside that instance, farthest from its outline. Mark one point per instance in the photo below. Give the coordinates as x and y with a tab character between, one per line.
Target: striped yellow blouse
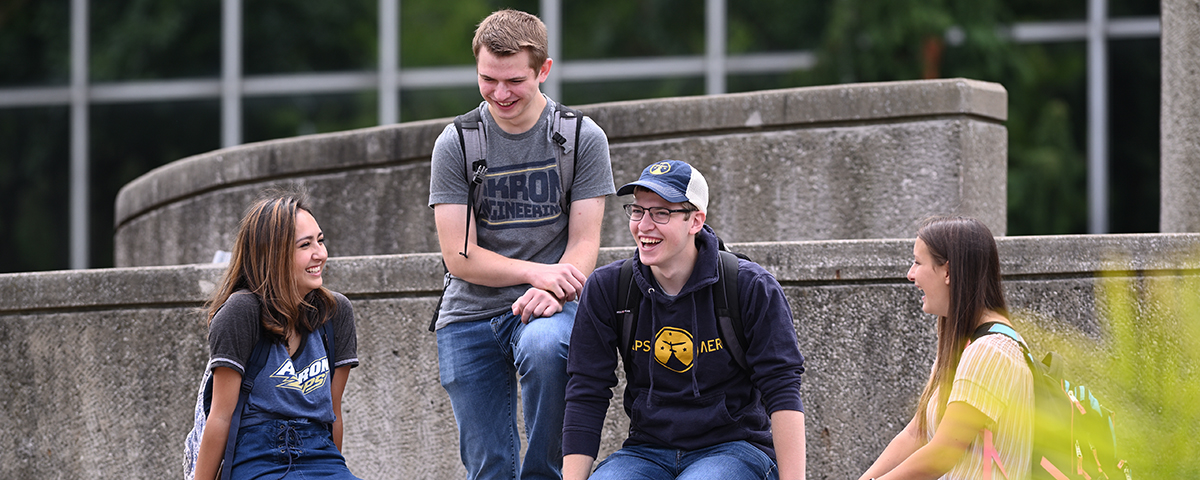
994	378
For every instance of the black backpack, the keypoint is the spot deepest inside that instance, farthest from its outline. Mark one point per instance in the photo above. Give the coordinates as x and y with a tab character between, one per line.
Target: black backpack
725	299
1074	437
472	138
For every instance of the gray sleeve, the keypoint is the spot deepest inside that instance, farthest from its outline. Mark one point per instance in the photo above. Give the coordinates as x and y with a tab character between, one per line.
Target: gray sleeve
234	331
447	172
593	167
344	334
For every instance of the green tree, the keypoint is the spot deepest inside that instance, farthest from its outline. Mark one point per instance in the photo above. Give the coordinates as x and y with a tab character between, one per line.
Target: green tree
1143	365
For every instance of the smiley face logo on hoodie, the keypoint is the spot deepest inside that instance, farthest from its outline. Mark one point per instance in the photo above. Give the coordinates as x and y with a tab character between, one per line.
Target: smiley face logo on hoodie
673	349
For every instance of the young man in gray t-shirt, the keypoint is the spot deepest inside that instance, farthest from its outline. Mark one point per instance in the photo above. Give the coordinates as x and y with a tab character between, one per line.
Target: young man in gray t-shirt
510	301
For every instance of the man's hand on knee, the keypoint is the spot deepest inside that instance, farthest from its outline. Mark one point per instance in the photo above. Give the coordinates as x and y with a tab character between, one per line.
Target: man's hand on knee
561	280
536	303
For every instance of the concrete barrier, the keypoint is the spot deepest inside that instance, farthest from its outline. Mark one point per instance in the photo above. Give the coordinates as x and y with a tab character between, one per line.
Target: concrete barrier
820	163
1179	119
101	366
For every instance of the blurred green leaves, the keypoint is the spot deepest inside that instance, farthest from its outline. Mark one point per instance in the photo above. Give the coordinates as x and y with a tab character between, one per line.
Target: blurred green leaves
1144	365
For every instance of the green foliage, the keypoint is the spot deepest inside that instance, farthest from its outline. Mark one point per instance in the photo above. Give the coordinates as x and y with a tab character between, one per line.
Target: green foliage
1134	79
34	42
285	36
153	39
854	40
596	92
33	175
631	28
128	140
1144	367
774	25
887	40
281	117
438	33
1047	179
879	40
1046	170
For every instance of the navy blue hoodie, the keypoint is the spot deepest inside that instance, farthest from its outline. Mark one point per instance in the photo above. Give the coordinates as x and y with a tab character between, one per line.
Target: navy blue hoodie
685	391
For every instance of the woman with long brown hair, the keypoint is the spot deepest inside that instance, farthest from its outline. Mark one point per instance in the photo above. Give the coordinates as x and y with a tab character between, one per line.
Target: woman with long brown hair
976	412
272	298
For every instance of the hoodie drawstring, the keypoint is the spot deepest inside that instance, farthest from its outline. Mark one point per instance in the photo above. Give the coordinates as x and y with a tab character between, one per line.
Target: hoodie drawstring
650	293
695	354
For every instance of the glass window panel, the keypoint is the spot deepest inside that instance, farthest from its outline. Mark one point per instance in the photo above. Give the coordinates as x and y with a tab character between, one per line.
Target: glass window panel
766	81
1043	11
775	25
34	176
428	103
439	33
1133	110
128	140
35	43
582	93
1047	138
1133	8
268	118
154	39
632	28
286	36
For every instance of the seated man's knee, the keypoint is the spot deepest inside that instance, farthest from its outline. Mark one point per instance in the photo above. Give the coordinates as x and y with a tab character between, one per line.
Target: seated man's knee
545	342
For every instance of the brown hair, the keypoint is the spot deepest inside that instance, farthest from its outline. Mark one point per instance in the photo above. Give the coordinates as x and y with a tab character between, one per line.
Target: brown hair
968	245
507	32
261	262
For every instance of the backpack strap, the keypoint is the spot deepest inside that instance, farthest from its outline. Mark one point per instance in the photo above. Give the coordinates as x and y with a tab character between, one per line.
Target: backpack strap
726	306
472	137
997	327
990	455
327	338
437	309
628	299
564	132
258	359
729	312
330	345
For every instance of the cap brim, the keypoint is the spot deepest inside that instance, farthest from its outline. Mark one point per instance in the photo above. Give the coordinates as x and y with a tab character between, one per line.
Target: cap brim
668	193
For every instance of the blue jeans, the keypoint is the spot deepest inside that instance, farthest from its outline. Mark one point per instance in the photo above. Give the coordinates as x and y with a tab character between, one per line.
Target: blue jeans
726	461
478	363
293	449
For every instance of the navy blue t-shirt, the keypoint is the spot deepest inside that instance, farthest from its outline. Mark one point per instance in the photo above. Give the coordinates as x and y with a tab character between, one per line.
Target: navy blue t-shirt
287	387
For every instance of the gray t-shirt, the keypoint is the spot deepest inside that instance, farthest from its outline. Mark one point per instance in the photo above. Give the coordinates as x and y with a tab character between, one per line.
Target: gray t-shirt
524	219
236	327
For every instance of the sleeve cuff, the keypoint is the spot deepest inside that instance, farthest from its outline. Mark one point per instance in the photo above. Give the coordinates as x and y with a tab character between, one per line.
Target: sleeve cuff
582	443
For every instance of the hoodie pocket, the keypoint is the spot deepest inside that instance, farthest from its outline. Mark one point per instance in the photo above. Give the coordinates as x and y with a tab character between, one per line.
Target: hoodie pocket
680	418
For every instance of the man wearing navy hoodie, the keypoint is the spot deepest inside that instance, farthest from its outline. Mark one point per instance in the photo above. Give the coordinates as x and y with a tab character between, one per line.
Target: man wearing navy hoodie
694	411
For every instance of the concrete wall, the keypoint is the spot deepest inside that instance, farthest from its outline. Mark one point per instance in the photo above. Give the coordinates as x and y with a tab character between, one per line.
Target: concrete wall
1180	116
100	367
838	162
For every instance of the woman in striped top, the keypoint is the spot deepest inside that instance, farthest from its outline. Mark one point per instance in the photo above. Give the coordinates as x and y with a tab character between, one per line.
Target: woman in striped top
977	389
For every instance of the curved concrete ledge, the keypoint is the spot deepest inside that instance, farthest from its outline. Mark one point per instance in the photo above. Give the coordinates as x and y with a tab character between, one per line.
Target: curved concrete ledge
846	161
101	366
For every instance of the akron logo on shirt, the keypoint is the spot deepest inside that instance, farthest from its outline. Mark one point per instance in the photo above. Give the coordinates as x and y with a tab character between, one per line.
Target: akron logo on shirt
521	196
305	381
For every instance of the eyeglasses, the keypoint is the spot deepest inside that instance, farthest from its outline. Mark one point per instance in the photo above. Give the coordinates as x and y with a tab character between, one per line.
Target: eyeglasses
658	215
